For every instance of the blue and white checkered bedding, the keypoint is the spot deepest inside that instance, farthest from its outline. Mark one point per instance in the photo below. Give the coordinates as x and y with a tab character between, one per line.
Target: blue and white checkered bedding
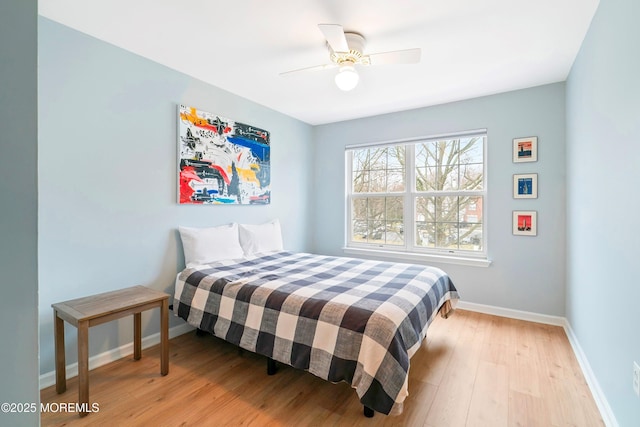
342	319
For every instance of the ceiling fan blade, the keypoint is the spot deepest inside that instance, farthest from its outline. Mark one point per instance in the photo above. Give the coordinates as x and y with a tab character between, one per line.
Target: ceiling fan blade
335	37
314	68
407	56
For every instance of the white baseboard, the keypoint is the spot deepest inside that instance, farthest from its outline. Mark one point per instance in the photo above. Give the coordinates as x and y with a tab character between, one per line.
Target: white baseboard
512	314
49	378
602	403
599	397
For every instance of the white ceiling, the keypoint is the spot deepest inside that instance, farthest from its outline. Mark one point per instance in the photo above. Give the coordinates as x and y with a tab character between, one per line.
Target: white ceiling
470	48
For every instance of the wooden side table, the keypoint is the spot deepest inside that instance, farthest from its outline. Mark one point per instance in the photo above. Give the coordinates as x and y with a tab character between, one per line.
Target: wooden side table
96	309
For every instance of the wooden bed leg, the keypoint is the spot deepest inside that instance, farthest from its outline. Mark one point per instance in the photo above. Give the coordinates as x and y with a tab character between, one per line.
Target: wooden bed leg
200	333
368	412
272	368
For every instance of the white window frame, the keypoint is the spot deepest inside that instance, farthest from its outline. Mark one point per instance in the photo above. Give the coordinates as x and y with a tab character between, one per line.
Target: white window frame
409	251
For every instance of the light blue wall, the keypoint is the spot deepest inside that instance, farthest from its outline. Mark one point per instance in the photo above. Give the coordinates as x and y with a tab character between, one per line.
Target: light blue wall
527	273
18	216
107	177
603	175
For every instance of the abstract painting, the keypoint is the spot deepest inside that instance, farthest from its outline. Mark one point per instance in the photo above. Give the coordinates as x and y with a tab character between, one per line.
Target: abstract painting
222	161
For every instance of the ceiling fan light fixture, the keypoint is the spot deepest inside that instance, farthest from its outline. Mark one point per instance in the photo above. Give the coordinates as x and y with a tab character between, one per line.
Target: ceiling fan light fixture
347	78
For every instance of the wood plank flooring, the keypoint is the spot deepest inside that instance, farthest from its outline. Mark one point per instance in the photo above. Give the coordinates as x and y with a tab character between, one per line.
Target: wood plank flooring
473	370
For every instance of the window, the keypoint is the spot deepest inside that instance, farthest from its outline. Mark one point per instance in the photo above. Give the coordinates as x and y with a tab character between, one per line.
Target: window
422	196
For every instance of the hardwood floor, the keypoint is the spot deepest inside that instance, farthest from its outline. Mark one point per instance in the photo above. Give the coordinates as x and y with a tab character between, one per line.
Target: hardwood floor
473	370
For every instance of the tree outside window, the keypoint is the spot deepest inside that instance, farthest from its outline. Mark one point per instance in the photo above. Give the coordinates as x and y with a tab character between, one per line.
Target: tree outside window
441	181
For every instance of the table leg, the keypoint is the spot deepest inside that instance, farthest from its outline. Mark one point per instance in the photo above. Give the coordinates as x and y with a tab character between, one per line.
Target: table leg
164	337
83	366
137	336
61	369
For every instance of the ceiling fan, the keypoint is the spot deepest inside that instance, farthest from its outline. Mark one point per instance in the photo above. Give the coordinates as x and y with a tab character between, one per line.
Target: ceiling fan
346	50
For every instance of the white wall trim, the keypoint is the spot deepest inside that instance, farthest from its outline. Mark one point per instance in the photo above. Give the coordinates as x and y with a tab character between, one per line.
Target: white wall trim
49	378
599	397
415	256
512	314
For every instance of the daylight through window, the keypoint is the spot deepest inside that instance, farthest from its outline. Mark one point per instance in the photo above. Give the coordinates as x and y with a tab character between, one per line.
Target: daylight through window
420	196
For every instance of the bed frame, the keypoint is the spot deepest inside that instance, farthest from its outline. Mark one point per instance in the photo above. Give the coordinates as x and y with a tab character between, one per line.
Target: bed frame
272	367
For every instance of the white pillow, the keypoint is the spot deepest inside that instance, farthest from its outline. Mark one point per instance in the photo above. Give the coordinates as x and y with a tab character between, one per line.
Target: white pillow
261	238
205	245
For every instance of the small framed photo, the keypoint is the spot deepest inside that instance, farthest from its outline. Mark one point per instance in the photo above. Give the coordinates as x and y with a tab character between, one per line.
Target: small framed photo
525	149
525	223
525	186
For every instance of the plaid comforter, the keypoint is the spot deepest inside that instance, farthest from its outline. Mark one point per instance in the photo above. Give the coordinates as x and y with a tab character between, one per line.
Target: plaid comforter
342	319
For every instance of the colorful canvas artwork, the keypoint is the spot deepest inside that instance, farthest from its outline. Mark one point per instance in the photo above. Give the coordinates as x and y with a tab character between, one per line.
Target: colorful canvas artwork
222	161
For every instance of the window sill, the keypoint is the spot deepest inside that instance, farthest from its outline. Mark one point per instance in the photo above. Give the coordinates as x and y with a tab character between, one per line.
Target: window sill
412	256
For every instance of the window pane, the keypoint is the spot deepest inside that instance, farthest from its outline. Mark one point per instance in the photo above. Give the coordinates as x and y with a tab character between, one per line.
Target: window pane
394	207
395	157
471	209
395	168
471	163
450	165
375	208
449	178
447	235
395	180
447	152
447	165
450	222
378	181
471	237
426	179
426	172
471	223
359	231
360	181
379	170
395	233
375	232
359	207
471	177
472	150
378	158
360	160
446	209
426	154
425	209
426	234
378	220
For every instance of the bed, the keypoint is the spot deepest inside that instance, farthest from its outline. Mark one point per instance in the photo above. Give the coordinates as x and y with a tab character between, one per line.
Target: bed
341	319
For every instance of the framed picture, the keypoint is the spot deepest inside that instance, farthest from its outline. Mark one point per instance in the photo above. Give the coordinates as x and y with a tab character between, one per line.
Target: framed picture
525	223
525	186
221	161
525	149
